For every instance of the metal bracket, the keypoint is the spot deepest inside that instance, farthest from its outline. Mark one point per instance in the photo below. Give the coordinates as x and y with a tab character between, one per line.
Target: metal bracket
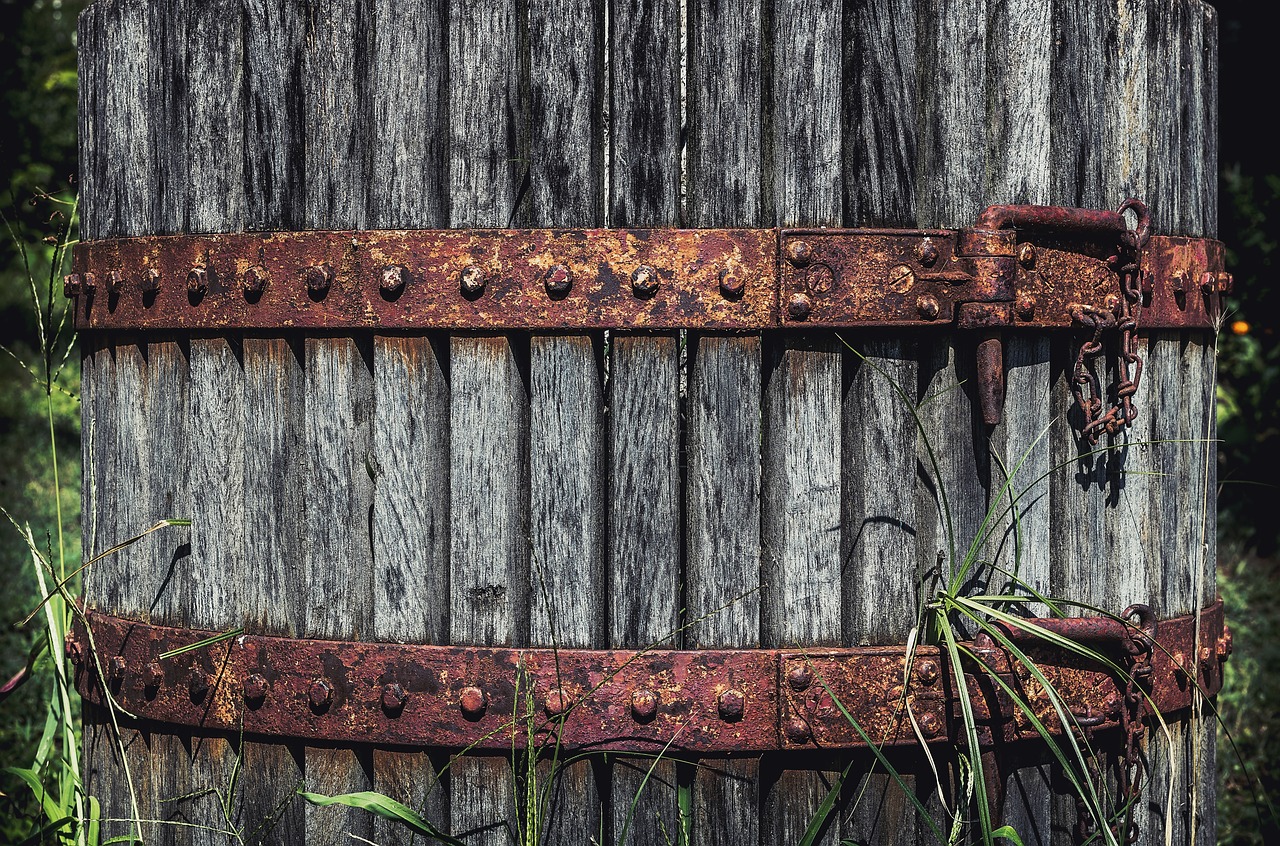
703	701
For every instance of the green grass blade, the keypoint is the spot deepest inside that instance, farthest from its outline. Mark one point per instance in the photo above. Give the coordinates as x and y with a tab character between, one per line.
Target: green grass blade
385	807
201	644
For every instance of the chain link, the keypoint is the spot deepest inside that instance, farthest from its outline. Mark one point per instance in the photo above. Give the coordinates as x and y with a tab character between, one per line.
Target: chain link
1121	314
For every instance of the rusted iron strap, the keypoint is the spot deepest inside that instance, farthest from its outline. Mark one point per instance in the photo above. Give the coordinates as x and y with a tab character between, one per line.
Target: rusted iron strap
706	701
703	279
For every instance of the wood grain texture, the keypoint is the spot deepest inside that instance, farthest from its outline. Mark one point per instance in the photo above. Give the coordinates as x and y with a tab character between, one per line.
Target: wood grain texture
273	119
214	198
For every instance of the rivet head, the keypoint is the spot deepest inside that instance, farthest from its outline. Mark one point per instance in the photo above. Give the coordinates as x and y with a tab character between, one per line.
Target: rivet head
471	280
254	280
1111	707
116	668
72	285
927	252
255	688
927	672
1180	662
394	278
731	705
799	307
1207	281
89	282
75	654
1205	654
901	279
1027	256
197	281
1226	282
644	705
114	280
928	307
150	281
198	684
798	252
1226	644
318	277
930	725
320	694
1025	307
393	698
152	674
644	281
797	730
1179	282
731	284
557	280
472	702
800	676
557	702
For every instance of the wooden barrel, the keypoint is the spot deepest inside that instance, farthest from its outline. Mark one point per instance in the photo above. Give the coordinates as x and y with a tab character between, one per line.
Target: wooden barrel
625	488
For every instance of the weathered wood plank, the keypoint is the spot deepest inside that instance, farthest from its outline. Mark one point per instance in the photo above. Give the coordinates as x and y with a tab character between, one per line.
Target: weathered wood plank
214	197
273	114
337	434
1077	106
1125	165
1209	98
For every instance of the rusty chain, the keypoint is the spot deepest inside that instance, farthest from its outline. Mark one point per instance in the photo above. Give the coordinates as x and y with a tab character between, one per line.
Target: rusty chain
1122	315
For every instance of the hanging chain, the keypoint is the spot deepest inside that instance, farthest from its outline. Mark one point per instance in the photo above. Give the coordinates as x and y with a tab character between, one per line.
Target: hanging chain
1122	314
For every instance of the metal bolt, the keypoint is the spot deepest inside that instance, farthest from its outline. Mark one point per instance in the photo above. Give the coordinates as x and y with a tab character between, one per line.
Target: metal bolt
800	676
114	281
72	285
319	277
799	307
198	684
799	252
393	698
1207	281
75	654
731	284
1027	256
927	672
930	725
254	280
90	282
116	668
1226	282
1226	644
471	280
1205	654
320	694
1180	662
928	307
394	278
1112	706
797	730
557	702
557	280
901	278
152	674
150	280
255	688
1026	308
644	705
197	281
644	281
731	705
1179	282
472	701
927	252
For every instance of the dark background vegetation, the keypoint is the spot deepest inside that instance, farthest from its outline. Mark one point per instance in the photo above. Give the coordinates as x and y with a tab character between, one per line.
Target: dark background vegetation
38	154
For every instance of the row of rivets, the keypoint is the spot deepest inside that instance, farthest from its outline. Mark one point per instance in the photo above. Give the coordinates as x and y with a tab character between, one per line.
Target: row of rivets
557	281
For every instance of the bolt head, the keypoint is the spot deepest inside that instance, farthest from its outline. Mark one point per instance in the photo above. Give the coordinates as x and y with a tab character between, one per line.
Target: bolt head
731	284
1027	256
72	285
90	282
114	280
472	702
927	252
255	688
1226	282
152	674
471	280
557	280
75	653
800	676
1205	654
927	672
901	278
320	694
928	307
393	698
797	730
1180	664
394	278
116	668
1207	282
318	277
644	705
798	252
150	281
254	280
1226	644
731	705
644	281
930	725
557	702
799	307
1025	307
197	281
1179	282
